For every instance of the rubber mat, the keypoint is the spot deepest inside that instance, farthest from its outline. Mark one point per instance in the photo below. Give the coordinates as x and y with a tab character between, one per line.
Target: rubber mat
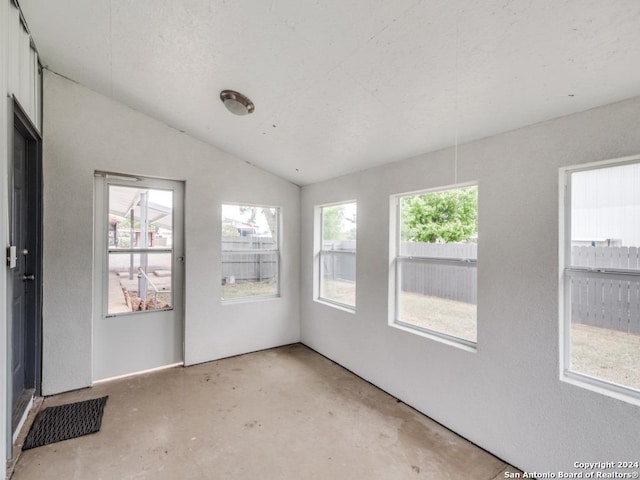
54	424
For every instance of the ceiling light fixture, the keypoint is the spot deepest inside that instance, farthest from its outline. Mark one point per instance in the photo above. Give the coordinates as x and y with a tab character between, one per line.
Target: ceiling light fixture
237	103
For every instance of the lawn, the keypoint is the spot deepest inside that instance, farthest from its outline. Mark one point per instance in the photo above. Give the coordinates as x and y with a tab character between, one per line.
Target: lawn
339	291
602	353
243	289
440	314
607	354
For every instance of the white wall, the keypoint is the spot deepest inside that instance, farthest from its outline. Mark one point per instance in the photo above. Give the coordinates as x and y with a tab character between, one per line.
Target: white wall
84	132
507	396
19	77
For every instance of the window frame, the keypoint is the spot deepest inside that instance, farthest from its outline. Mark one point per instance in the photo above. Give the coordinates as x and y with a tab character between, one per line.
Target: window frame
321	252
271	251
397	260
567	272
103	181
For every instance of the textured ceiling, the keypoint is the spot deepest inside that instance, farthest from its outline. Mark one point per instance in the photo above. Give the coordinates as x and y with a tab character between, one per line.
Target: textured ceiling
340	86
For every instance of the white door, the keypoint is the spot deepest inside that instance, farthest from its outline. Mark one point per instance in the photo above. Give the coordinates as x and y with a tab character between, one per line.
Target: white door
139	275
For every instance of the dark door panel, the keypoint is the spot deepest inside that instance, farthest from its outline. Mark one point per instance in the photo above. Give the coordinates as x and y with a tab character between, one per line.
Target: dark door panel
19	311
25	235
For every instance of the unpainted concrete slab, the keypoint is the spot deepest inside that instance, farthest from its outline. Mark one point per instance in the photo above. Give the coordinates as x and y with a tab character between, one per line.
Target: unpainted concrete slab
285	413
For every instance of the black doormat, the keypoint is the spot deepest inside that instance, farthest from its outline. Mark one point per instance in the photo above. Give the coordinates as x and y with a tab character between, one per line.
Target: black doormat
54	424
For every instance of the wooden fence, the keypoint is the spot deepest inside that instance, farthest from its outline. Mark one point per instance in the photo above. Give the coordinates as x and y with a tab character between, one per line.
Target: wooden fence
603	302
445	281
454	282
248	266
339	266
440	250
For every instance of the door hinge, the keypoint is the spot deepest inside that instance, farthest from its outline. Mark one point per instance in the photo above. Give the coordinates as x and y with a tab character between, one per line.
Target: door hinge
12	256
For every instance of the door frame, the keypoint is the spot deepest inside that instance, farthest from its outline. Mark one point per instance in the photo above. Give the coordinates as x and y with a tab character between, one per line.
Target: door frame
105	326
20	121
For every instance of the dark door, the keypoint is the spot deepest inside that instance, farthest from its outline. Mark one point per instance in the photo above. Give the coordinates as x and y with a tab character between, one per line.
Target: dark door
25	294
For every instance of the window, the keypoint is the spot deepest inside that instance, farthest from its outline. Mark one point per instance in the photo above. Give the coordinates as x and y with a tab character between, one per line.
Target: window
337	254
601	288
434	272
250	251
140	249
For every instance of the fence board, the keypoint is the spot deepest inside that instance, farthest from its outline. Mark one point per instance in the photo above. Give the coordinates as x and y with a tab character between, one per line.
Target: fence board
633	258
248	266
439	250
606	303
594	301
634	307
444	281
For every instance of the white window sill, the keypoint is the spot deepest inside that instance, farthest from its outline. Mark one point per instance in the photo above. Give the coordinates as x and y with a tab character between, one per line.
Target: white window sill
338	306
446	339
612	390
236	301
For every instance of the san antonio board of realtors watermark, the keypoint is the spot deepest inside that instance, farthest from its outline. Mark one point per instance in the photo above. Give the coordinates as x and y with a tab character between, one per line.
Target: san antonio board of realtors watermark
587	470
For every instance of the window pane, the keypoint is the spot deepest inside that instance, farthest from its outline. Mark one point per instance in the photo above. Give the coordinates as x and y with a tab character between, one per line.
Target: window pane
139	282
433	219
605	328
338	270
435	295
249	251
339	224
249	275
605	217
438	297
249	228
338	278
140	218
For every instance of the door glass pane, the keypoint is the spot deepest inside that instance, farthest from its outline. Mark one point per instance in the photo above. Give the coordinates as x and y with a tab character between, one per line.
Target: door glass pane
139	282
139	218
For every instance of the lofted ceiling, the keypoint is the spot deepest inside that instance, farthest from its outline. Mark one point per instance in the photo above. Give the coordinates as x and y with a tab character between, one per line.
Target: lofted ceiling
340	86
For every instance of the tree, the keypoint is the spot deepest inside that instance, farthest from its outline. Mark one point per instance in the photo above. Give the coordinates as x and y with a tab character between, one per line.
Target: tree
337	224
229	230
271	216
331	223
447	216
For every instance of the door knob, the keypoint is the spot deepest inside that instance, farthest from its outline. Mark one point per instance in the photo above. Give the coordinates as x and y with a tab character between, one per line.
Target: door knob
28	277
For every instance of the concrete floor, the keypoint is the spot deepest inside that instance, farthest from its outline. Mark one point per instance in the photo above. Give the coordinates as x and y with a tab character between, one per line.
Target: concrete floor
285	413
